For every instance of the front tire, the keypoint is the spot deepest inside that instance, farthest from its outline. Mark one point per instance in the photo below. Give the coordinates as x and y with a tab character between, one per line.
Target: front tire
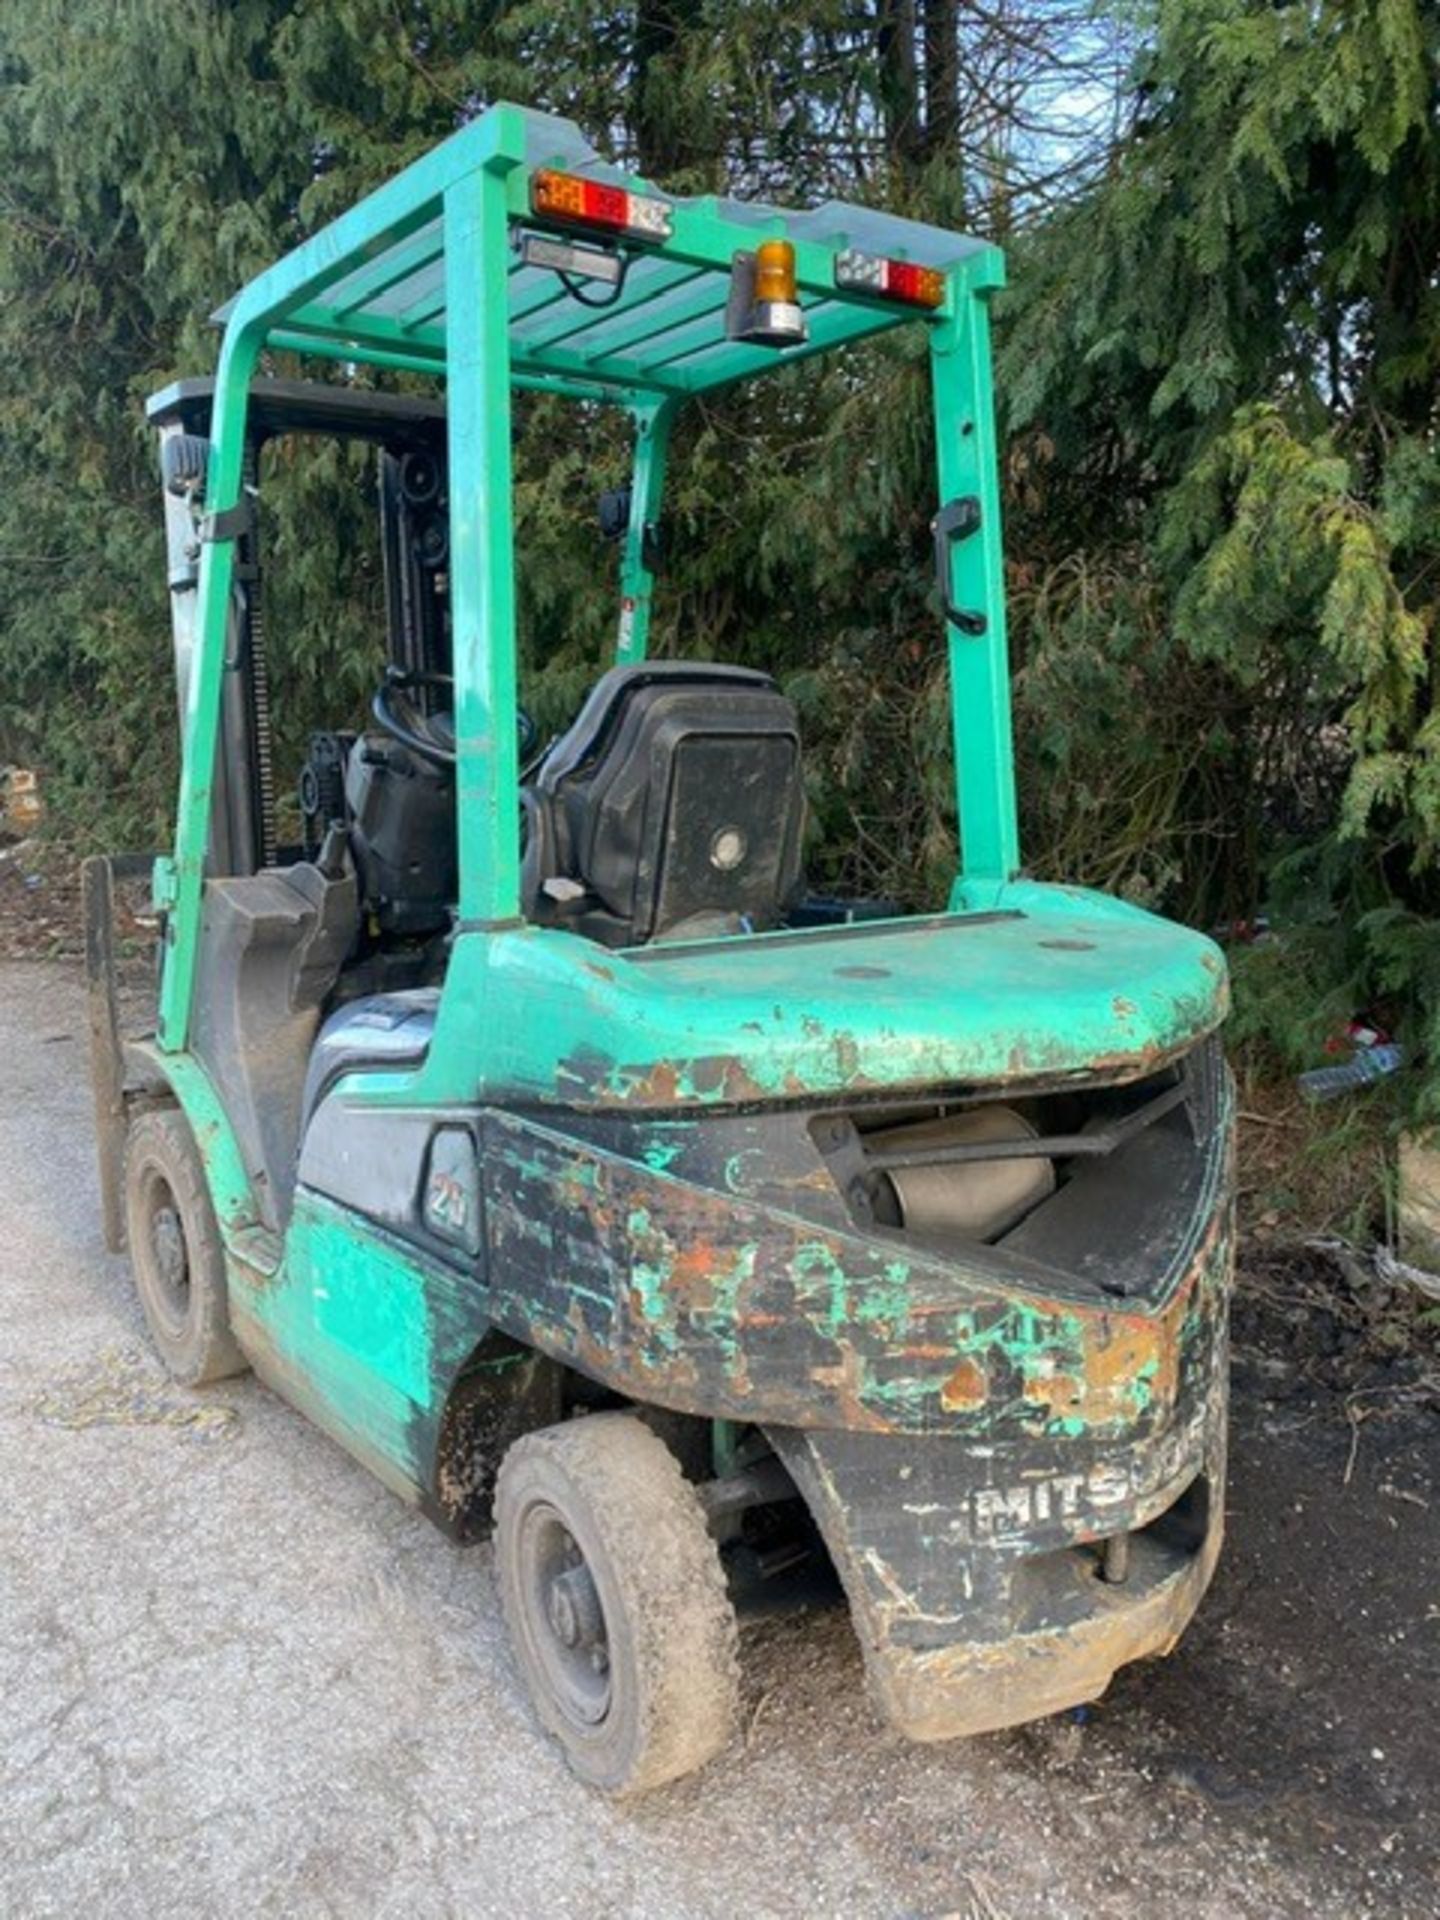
175	1250
616	1602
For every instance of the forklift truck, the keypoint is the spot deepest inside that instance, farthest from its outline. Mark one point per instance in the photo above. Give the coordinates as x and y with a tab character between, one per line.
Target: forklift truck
526	1125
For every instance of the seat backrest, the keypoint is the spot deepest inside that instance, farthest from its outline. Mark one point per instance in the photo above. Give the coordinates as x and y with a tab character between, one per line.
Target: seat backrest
673	807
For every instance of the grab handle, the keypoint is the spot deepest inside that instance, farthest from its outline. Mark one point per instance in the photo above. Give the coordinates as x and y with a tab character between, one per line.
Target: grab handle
956	520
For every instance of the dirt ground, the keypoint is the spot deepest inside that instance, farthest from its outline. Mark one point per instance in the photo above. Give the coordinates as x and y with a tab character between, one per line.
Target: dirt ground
241	1678
39	902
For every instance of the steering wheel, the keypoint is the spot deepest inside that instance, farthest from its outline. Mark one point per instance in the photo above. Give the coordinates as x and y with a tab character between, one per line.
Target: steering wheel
430	735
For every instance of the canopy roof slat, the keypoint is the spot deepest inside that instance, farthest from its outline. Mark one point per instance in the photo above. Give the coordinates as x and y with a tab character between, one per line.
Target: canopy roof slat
423	312
702	332
666	317
359	290
542	291
652	295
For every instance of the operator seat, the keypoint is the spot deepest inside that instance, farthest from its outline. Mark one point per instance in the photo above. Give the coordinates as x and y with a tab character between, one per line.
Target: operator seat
672	809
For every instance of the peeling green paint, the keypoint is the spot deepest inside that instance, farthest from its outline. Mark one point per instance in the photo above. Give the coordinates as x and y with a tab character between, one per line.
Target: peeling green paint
731	1308
351	1313
365	1297
719	1023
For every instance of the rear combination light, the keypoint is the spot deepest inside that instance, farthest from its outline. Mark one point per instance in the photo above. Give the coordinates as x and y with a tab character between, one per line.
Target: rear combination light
890	279
590	203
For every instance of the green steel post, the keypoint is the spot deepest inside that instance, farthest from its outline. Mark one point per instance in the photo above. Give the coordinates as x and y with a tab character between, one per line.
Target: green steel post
637	582
482	543
724	1446
967	461
179	884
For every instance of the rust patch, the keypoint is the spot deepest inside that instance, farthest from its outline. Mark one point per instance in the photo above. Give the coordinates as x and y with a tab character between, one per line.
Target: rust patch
691	1275
662	1083
1133	1066
718	1077
1169	1343
1065	1398
844	1381
965	1389
737	1084
1123	1351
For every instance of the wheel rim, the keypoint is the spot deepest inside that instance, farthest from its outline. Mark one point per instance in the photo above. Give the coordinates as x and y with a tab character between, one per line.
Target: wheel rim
564	1619
169	1259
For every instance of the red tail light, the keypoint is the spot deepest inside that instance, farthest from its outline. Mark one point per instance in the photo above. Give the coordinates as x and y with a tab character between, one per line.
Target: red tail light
892	279
591	203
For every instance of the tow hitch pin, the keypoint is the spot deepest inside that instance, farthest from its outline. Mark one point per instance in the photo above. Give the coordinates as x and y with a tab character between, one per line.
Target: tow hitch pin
1115	1559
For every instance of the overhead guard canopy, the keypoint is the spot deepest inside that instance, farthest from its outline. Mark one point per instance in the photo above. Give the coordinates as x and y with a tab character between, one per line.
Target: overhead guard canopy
664	334
428	274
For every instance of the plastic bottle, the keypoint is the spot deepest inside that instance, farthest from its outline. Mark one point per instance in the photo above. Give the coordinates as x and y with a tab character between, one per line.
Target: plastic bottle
1365	1065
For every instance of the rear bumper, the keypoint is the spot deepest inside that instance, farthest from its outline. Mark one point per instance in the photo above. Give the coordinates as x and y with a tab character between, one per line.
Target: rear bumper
980	1685
975	1571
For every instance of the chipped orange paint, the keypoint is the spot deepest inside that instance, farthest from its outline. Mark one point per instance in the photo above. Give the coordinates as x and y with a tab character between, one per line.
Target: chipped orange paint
1105	1368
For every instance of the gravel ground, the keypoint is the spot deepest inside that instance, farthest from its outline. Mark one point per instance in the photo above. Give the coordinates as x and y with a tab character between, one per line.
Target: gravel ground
241	1678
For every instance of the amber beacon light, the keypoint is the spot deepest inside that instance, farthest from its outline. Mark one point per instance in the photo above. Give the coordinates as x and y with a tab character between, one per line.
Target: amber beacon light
764	307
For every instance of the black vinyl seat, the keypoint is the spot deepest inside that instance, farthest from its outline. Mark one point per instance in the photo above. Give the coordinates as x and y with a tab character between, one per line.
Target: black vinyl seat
673	808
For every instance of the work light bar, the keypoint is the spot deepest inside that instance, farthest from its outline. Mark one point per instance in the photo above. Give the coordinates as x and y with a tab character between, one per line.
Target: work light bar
577	260
589	203
890	279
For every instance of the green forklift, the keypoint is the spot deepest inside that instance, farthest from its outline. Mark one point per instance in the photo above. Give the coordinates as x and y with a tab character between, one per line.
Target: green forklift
528	1125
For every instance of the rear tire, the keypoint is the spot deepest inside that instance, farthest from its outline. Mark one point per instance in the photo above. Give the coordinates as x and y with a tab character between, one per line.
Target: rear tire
175	1250
616	1602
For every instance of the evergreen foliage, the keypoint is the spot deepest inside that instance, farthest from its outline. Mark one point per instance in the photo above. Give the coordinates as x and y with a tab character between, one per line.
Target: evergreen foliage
1223	365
